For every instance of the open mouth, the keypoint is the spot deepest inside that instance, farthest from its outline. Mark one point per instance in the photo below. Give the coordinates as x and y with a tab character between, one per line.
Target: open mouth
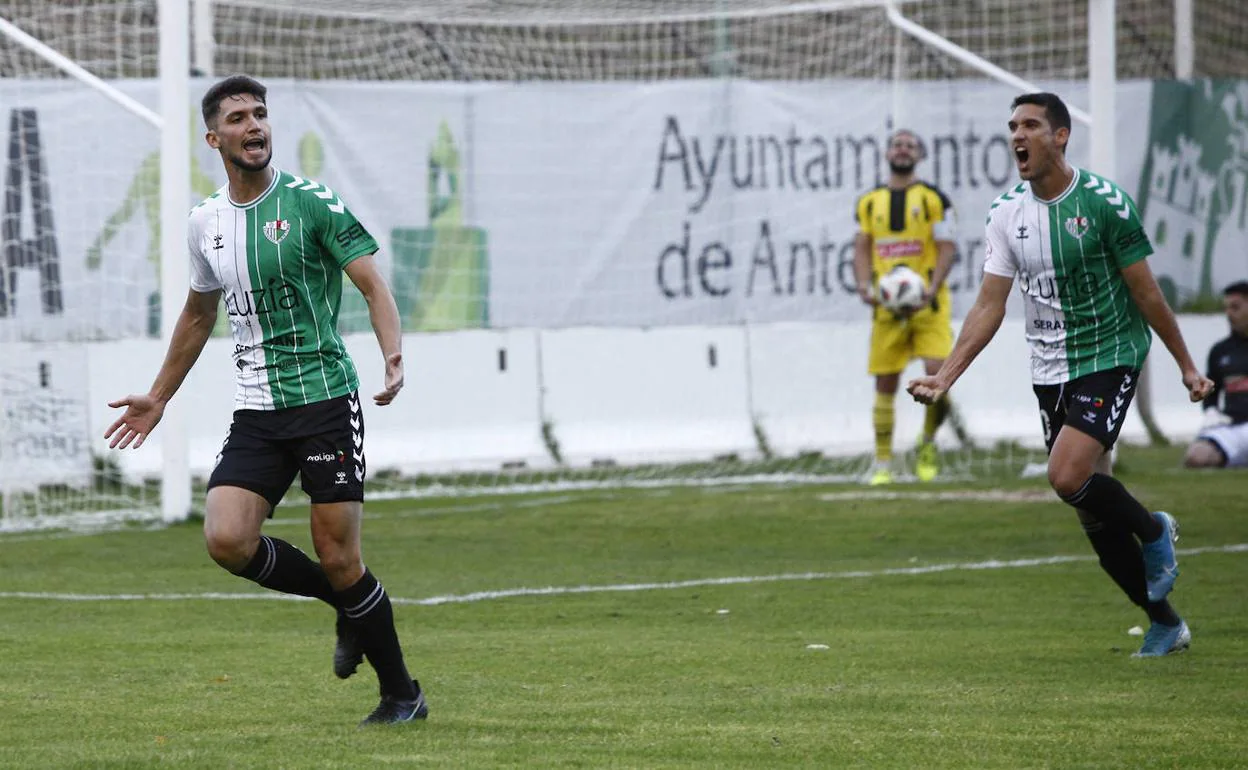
256	143
1021	154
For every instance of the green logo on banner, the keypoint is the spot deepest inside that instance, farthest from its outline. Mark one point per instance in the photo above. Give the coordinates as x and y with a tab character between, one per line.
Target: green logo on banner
1194	187
441	272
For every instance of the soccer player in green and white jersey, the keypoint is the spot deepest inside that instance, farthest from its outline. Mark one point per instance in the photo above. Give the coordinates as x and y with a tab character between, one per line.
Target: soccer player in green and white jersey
1075	242
276	246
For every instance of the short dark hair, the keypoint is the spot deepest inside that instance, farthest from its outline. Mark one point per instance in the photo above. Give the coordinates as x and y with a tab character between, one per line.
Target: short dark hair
908	132
1055	110
231	86
1239	287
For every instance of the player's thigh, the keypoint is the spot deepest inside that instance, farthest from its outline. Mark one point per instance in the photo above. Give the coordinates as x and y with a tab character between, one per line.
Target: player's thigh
253	459
1074	458
891	347
932	332
233	518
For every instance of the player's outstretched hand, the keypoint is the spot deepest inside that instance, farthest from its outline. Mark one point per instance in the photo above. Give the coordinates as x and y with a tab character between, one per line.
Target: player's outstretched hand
394	380
1198	385
926	389
136	423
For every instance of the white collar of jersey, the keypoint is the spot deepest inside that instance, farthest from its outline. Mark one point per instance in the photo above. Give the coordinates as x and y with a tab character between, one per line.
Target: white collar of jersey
1074	180
277	174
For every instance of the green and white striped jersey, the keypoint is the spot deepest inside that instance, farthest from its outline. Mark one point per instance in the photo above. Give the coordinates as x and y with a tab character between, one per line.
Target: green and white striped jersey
278	262
1068	254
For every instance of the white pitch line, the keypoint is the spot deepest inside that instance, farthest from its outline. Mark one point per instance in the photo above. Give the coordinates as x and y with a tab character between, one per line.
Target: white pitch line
478	596
953	495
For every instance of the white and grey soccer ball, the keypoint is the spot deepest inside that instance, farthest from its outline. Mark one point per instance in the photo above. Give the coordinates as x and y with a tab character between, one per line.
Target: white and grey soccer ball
901	290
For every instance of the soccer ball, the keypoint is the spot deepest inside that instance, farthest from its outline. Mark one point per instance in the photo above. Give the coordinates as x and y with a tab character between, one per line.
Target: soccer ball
901	290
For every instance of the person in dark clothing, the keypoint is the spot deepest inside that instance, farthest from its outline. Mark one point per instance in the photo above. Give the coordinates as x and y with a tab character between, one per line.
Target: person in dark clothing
1223	440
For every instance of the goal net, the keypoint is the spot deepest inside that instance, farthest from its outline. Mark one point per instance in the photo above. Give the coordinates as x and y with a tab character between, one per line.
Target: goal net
619	233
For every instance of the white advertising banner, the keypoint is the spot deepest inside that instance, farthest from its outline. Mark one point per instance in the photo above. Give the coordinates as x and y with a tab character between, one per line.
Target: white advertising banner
565	204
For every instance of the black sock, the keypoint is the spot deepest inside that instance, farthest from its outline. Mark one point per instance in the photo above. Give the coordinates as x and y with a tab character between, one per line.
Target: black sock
282	567
366	605
1122	559
1109	501
1161	612
1120	556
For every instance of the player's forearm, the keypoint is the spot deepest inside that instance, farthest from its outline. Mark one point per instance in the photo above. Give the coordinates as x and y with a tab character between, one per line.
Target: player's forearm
980	326
862	264
383	313
944	263
189	337
1160	317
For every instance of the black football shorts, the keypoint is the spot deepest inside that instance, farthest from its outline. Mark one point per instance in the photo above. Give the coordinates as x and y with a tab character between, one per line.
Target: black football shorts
322	441
1095	404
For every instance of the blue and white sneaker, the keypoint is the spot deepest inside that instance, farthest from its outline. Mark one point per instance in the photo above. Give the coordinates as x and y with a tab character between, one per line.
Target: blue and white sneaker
1162	640
1161	565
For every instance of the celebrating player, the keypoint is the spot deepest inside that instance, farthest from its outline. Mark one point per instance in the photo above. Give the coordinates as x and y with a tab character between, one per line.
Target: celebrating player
905	222
1075	242
276	246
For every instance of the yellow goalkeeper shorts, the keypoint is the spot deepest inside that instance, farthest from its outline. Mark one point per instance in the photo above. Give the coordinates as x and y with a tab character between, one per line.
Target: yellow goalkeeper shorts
895	342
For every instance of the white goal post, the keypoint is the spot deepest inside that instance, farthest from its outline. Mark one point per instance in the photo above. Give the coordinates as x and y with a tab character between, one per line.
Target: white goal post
174	76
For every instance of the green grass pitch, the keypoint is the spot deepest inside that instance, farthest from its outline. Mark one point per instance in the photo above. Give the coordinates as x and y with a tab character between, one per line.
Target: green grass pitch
944	626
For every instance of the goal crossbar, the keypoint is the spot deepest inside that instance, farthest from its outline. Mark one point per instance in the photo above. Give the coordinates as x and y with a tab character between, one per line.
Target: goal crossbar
69	67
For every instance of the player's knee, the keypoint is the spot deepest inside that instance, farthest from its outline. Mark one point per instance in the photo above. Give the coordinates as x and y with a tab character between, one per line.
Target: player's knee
339	562
232	550
1065	480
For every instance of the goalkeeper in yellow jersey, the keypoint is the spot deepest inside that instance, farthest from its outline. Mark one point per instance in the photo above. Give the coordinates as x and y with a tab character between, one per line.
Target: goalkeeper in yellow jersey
905	222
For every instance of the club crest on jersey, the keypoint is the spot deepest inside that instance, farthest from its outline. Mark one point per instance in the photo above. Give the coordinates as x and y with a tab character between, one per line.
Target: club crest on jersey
1077	226
277	230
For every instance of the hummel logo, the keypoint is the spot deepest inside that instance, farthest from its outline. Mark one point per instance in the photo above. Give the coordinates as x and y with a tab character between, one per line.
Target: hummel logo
1022	233
218	241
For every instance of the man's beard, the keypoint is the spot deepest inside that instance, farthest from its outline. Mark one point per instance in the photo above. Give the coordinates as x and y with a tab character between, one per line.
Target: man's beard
249	166
904	167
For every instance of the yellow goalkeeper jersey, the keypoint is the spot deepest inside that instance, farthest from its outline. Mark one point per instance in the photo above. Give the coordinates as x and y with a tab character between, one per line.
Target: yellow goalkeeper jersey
904	226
